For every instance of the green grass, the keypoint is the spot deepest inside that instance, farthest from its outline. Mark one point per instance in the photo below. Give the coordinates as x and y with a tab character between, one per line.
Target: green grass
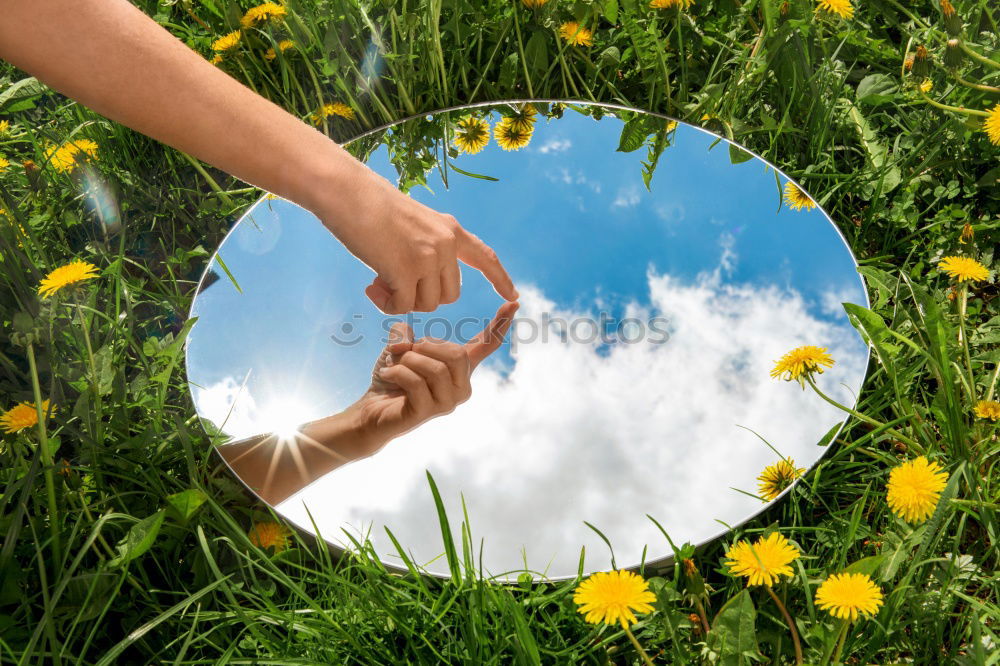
117	562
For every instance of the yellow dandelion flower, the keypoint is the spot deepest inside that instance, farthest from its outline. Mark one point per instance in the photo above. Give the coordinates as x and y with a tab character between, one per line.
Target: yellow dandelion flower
65	157
988	409
576	34
216	59
24	415
269	11
227	42
3	164
523	120
71	273
667	4
796	197
612	596
332	109
992	125
764	562
914	488
4	127
510	137
283	46
842	8
967	233
926	86
473	134
533	4
671	125
964	268
802	361
775	478
846	595
270	535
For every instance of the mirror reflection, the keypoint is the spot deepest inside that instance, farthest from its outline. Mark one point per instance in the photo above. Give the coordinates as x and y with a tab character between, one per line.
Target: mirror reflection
662	272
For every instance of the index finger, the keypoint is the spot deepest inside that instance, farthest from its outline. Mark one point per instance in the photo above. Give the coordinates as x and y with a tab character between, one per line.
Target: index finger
481	256
490	338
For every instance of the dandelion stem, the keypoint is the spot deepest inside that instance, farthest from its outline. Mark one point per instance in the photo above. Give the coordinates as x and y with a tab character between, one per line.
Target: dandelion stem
702	614
840	642
638	648
790	622
976	86
956	109
47	460
867	419
977	56
963	300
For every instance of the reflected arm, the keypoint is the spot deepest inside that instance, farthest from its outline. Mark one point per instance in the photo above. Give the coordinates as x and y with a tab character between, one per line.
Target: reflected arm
275	469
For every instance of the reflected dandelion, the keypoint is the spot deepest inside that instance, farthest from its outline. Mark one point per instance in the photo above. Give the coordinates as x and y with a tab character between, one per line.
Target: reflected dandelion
509	137
796	197
472	134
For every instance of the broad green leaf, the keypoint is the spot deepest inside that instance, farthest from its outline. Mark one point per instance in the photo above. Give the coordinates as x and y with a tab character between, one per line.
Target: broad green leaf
866	565
633	135
874	330
733	633
877	89
20	90
139	538
183	505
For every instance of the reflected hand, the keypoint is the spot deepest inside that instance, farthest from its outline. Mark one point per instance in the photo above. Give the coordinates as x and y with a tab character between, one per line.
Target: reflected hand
416	380
413	249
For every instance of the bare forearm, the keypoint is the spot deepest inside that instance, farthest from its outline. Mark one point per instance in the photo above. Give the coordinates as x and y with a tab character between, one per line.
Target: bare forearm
111	57
277	469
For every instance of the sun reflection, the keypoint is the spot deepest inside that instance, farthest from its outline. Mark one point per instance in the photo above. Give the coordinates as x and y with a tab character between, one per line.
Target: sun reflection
283	418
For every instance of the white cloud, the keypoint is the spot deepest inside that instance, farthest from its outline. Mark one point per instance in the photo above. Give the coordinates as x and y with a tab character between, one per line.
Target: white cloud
578	432
627	197
555	145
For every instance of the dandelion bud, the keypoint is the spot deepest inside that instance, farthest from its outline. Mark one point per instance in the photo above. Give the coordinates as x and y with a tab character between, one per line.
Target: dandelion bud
908	63
952	21
921	63
34	175
952	54
967	233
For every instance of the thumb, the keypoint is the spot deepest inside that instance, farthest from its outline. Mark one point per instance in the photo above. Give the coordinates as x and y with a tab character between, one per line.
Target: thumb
378	292
400	341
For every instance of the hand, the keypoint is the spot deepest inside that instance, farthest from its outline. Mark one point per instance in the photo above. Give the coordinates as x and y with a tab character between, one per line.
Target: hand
414	381
413	249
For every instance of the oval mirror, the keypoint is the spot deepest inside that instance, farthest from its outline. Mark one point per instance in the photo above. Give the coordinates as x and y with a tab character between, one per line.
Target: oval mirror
662	271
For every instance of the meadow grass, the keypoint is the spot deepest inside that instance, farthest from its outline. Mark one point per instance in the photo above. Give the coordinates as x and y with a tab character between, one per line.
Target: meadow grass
136	549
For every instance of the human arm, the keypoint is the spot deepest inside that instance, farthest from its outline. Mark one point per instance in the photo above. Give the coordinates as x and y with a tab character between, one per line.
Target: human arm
111	57
412	382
